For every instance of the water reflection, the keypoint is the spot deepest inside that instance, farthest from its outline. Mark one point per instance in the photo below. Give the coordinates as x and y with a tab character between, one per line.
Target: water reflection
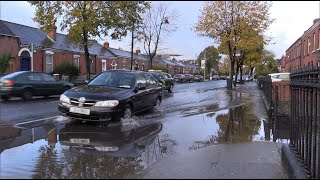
237	125
99	152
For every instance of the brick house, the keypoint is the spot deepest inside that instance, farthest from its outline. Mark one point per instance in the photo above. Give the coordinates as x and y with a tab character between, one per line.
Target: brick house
32	49
305	50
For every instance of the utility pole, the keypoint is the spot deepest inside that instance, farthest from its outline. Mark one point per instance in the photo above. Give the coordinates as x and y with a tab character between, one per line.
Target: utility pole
132	38
205	61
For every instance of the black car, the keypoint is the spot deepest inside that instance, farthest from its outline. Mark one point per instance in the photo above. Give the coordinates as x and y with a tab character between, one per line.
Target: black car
111	95
166	80
109	140
26	84
198	78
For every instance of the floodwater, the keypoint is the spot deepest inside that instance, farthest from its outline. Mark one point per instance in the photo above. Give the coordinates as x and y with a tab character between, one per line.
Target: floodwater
186	121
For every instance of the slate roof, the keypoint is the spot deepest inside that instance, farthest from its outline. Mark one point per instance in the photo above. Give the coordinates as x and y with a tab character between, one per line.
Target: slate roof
4	29
127	54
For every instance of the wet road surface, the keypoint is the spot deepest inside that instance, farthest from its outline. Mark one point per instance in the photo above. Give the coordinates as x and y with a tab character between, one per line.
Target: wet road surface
196	116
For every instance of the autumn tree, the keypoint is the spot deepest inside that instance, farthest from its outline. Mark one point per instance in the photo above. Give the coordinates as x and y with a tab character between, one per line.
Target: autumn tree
86	20
224	66
268	64
159	21
212	57
226	22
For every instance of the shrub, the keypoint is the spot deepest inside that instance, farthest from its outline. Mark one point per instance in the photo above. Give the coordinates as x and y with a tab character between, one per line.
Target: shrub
67	69
4	62
160	68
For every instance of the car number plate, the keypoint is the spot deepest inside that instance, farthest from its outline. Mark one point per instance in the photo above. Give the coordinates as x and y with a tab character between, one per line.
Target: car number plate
79	141
80	110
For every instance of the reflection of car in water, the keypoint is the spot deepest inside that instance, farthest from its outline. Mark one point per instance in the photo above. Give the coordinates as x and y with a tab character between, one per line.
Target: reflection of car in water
111	140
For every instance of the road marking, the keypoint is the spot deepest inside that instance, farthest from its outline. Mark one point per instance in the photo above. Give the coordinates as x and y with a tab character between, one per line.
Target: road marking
36	120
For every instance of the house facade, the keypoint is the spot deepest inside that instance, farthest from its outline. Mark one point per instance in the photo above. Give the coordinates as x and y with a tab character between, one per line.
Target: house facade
305	51
32	49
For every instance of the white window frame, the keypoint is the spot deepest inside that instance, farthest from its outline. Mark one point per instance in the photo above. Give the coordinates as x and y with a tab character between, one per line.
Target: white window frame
114	65
49	53
78	59
308	45
103	67
314	42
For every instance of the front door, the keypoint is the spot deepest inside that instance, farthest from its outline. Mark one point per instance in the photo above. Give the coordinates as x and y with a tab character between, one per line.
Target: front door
25	61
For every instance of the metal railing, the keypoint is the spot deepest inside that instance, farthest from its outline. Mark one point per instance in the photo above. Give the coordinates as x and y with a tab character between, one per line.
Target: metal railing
305	118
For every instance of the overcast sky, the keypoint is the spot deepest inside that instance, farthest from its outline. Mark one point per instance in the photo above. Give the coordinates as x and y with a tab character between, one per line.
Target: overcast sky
292	19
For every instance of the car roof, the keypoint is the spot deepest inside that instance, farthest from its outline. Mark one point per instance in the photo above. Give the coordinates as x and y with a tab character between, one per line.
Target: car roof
125	70
278	73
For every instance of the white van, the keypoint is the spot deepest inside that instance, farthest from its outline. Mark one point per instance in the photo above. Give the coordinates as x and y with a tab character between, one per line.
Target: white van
279	77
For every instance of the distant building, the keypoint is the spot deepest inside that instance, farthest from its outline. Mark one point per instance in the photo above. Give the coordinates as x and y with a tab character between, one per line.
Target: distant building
305	50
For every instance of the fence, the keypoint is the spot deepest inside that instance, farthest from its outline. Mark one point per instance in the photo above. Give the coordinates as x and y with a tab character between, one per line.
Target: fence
305	118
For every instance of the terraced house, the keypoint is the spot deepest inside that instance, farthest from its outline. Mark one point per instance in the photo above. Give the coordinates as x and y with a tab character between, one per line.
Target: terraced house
305	50
32	49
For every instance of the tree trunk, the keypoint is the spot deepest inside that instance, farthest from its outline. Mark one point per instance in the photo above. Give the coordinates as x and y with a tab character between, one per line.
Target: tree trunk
236	75
86	53
132	38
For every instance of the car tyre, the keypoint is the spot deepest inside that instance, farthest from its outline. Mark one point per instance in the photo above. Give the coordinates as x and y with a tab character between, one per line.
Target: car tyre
127	113
170	89
27	95
5	97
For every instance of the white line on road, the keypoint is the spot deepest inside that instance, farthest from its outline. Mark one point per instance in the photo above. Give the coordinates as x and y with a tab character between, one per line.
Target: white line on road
36	120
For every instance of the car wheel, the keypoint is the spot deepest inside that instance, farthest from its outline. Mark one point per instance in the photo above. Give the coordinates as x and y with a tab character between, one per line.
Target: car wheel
170	89
127	113
5	97
27	95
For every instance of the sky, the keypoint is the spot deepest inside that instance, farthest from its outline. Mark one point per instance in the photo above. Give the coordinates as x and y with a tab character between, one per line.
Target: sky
292	18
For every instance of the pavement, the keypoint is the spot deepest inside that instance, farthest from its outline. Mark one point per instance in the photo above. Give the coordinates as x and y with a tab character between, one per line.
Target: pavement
253	160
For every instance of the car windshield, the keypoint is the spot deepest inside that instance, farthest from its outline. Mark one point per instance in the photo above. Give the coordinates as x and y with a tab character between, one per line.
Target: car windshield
114	79
156	75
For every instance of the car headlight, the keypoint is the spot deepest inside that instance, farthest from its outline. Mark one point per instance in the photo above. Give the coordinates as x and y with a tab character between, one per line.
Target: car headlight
110	103
65	99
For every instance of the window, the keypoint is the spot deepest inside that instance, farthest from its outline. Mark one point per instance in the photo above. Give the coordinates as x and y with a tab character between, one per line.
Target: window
304	47
49	62
104	65
141	79
76	61
142	67
34	77
92	69
319	39
308	45
47	77
114	64
151	81
314	42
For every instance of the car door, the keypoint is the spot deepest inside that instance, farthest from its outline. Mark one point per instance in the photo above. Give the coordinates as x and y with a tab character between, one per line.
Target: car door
140	97
52	87
153	90
35	79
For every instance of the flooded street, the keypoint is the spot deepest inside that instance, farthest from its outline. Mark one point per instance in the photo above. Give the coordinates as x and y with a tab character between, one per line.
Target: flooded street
194	116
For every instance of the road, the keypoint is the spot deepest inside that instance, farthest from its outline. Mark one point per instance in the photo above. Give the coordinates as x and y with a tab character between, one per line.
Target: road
194	118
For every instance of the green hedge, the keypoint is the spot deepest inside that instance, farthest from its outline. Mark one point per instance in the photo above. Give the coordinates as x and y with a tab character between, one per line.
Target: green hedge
66	69
4	62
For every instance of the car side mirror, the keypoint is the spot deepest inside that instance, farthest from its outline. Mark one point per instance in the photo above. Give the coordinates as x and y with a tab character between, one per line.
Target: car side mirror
86	81
140	86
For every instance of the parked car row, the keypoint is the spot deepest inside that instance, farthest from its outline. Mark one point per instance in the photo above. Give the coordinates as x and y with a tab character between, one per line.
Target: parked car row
187	78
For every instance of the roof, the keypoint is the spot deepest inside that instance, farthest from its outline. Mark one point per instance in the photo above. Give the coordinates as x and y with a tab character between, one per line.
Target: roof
127	54
170	62
4	29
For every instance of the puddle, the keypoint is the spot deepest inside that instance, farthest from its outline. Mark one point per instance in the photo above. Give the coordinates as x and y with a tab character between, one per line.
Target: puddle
77	150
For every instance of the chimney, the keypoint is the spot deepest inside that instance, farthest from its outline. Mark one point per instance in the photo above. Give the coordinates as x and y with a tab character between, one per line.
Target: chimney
53	33
138	51
106	44
315	20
